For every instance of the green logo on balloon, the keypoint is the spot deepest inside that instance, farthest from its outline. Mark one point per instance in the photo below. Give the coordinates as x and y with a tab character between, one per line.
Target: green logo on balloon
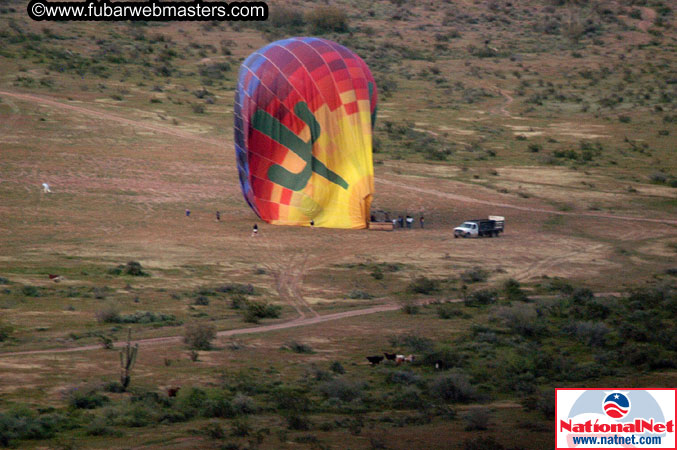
275	130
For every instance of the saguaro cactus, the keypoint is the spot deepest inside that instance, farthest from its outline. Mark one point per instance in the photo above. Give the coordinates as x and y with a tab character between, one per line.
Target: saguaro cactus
127	360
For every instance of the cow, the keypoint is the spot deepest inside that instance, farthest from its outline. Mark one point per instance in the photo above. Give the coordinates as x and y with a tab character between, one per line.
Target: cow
172	391
390	356
374	360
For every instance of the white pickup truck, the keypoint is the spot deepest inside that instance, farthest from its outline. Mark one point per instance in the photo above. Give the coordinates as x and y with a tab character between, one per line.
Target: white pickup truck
481	227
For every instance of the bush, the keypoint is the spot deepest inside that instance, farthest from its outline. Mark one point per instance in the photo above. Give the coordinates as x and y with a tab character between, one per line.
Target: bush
132	268
477	419
342	389
448	311
482	443
481	297
214	71
199	336
410	397
590	333
243	404
520	318
424	285
85	398
403	377
446	356
453	387
356	294
237	288
327	19
256	310
337	367
513	291
410	307
110	313
30	291
297	347
474	275
201	300
5	331
286	18
25	424
413	342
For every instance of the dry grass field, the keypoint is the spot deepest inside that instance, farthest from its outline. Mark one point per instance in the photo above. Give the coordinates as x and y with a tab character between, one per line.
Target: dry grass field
558	115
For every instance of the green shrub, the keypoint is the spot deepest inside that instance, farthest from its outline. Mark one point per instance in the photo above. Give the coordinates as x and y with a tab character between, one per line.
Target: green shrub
337	367
410	397
513	291
214	71
241	427
110	313
474	275
298	347
256	310
453	387
409	307
199	336
30	291
342	389
85	398
237	288
481	297
593	334
5	331
22	423
411	341
449	311
521	319
298	422
424	285
327	19
477	419
201	300
403	377
286	18
357	294
482	443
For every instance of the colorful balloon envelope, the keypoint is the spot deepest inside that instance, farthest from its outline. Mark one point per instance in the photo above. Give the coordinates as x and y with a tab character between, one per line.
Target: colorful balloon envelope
304	114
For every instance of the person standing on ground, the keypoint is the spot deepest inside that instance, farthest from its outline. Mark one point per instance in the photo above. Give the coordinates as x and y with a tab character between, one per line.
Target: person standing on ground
187	212
410	220
312	223
255	230
218	216
400	221
422	221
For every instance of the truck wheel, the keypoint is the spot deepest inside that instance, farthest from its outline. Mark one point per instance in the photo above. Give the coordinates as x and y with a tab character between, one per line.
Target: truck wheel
455	236
465	235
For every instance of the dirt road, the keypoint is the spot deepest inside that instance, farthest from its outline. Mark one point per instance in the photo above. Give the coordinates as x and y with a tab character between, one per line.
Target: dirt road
299	322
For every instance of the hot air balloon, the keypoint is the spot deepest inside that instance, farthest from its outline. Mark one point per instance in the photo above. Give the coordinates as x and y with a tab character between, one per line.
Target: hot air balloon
304	113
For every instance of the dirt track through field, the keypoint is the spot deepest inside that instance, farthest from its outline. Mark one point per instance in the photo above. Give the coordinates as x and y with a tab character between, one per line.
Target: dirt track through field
462	198
299	322
191	136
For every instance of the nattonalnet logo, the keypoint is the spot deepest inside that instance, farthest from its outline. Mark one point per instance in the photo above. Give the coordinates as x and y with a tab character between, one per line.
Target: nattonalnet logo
616	418
616	405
